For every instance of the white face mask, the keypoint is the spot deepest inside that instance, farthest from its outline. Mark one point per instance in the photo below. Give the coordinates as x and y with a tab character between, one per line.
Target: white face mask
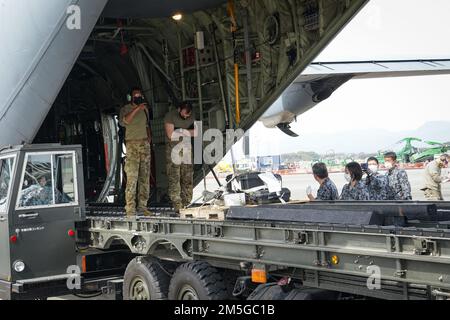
348	177
388	165
373	168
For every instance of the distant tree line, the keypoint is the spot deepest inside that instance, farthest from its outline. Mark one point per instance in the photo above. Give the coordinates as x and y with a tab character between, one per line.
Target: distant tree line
300	156
314	156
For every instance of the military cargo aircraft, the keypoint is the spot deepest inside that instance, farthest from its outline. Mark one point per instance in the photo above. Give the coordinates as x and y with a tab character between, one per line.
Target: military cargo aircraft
67	68
68	65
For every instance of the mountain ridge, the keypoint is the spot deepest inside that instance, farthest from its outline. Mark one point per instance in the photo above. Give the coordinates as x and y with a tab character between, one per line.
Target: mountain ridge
356	141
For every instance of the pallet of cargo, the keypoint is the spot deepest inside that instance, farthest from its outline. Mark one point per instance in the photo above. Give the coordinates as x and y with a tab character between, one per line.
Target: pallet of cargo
204	212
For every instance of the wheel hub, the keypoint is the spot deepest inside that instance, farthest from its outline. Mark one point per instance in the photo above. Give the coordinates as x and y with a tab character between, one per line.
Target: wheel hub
187	293
139	290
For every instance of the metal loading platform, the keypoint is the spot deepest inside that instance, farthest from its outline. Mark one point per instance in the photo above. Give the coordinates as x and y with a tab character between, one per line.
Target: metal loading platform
112	210
413	260
382	213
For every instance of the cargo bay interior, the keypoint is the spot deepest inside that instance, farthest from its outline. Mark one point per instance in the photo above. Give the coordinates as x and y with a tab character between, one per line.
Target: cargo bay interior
230	60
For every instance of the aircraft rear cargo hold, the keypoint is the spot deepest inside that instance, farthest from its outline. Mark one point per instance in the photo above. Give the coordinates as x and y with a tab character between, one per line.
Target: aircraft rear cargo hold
76	79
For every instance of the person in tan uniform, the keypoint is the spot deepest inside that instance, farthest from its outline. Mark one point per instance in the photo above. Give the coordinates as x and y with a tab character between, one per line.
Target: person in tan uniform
135	118
433	179
180	176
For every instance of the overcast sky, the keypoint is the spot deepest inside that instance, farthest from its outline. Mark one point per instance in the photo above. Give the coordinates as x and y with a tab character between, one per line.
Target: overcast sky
384	29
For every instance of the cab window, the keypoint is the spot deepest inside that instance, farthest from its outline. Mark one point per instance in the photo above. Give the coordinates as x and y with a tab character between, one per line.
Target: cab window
48	179
6	171
64	178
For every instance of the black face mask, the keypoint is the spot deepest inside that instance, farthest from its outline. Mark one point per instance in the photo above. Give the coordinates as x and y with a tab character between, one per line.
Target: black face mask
138	100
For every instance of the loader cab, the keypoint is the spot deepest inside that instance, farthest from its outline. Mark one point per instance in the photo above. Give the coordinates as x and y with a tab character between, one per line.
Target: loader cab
41	199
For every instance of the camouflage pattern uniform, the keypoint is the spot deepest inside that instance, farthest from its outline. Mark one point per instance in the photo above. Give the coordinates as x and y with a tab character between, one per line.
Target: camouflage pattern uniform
378	187
327	191
400	188
37	195
180	180
359	192
137	168
180	176
432	182
138	161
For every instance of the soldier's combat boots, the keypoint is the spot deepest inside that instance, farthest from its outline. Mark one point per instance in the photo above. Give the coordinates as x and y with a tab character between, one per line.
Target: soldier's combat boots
177	206
145	212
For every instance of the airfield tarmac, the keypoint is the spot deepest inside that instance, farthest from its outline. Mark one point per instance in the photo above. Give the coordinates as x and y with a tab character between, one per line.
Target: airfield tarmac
298	183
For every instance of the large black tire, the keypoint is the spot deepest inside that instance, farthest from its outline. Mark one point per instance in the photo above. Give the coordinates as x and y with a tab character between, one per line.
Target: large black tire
312	294
197	281
144	279
272	291
268	291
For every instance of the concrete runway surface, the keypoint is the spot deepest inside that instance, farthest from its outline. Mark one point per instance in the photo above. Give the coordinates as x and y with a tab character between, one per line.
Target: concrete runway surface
299	182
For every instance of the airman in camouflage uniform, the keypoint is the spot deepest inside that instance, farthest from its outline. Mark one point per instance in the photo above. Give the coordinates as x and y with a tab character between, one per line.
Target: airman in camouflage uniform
378	187
41	195
399	185
327	190
180	175
36	195
356	189
377	184
433	179
358	192
135	118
